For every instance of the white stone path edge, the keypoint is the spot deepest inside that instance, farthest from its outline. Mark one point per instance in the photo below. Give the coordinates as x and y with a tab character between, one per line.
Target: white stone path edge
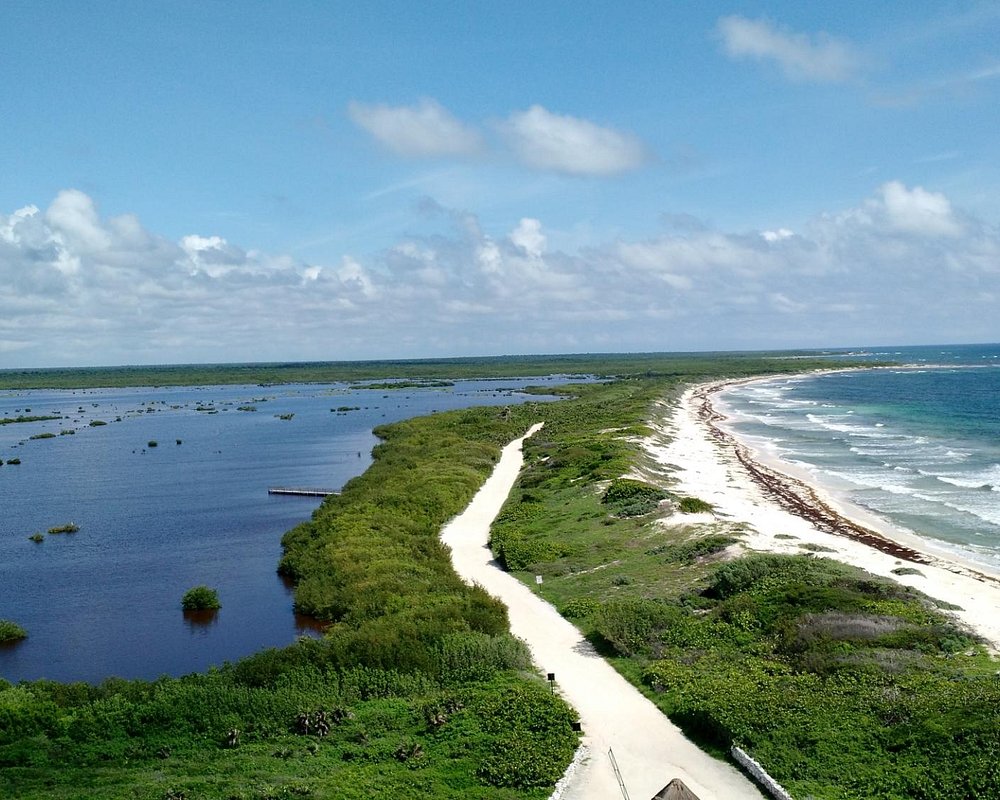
650	749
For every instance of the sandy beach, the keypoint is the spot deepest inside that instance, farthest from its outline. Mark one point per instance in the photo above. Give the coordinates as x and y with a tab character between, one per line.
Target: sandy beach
776	501
649	749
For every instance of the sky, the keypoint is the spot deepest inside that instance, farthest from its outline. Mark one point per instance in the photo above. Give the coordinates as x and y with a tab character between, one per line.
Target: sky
192	182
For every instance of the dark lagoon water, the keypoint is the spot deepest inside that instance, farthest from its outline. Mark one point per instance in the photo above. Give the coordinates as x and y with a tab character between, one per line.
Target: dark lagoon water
155	521
919	446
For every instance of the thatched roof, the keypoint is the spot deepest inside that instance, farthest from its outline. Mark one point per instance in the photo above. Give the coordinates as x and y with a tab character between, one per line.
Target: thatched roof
675	790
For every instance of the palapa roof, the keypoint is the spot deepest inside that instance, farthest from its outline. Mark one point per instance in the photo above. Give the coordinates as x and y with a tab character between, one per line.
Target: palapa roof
675	790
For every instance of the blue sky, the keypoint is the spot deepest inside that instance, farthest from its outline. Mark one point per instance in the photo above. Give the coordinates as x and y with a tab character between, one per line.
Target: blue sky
261	181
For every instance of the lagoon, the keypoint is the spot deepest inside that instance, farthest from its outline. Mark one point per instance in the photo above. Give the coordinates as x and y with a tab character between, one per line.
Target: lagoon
194	509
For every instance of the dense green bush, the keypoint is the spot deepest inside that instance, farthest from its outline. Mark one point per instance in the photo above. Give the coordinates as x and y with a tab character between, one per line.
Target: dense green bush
628	489
11	631
693	505
692	549
200	598
472	656
521	717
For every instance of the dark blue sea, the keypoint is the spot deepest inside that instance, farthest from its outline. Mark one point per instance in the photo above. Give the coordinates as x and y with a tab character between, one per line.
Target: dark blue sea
918	445
157	520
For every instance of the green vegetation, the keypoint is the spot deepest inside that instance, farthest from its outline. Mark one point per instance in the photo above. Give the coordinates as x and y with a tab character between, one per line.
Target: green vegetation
420	689
152	443
14	461
417	689
97	423
425	384
906	571
845	686
22	418
284	416
69	527
46	435
632	498
37	537
648	365
692	505
200	598
11	631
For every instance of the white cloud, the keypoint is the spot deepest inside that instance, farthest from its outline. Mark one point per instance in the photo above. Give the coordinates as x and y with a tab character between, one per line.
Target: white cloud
800	56
918	211
561	143
425	129
529	237
901	265
73	219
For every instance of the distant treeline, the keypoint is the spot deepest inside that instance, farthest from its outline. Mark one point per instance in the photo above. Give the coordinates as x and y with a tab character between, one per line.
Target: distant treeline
604	365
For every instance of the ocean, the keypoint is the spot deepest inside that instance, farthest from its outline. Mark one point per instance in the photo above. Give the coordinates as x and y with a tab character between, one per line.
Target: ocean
918	445
193	509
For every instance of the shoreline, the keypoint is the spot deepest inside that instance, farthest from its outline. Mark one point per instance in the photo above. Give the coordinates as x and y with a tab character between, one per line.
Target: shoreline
788	513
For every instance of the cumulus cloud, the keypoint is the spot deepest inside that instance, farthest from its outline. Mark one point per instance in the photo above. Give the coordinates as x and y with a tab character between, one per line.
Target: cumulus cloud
801	57
561	143
918	211
901	265
422	130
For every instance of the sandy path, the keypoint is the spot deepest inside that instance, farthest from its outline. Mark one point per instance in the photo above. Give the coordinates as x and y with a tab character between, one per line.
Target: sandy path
650	749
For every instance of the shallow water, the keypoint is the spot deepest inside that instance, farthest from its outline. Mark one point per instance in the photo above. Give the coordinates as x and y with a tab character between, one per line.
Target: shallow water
918	446
155	521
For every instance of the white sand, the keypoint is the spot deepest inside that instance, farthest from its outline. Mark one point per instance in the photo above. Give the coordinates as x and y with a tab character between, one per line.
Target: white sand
650	750
707	467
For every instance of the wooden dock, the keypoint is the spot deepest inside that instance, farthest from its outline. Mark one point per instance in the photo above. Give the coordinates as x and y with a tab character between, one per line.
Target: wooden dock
302	492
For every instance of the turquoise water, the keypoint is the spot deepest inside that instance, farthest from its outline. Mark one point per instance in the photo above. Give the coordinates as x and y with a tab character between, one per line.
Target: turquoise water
155	521
919	446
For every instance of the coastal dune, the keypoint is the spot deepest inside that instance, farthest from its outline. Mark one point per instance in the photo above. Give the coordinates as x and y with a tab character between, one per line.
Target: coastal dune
786	514
615	717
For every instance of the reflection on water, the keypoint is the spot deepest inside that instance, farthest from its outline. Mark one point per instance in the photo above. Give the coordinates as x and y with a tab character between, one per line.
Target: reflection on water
201	621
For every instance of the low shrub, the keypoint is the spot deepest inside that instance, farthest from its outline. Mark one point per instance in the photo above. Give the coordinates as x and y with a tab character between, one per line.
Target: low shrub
693	505
69	527
622	489
690	551
200	598
519	716
11	631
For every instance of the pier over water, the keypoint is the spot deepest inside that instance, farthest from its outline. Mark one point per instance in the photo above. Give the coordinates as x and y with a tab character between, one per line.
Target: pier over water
302	492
